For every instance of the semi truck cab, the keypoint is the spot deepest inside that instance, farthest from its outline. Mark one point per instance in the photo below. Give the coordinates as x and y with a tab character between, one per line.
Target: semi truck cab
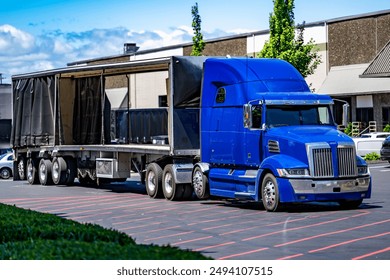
266	137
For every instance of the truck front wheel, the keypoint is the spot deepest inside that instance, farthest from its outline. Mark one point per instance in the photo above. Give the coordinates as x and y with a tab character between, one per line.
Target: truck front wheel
153	180
270	193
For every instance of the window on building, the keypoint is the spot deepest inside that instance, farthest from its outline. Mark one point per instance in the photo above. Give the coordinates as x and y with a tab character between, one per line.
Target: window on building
364	115
162	101
386	115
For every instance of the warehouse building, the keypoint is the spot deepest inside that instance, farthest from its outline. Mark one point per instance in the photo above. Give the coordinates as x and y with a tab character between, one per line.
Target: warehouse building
347	45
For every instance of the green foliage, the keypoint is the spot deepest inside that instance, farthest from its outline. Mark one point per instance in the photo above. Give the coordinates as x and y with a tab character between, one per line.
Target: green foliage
348	129
284	45
372	156
197	39
29	235
387	128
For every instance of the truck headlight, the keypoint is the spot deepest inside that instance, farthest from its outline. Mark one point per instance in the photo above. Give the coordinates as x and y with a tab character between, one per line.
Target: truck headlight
293	172
363	170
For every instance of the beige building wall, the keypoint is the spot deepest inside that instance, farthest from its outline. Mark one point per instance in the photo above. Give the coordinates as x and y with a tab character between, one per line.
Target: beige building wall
145	89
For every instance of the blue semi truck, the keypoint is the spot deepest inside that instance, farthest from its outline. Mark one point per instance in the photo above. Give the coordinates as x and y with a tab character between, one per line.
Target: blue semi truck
237	128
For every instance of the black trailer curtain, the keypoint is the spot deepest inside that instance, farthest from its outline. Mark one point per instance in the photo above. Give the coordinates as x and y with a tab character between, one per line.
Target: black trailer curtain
34	105
90	104
187	81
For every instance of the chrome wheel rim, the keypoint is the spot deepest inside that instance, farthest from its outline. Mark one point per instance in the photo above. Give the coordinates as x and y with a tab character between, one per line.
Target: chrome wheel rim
197	181
151	181
42	172
168	183
29	171
269	194
55	170
21	168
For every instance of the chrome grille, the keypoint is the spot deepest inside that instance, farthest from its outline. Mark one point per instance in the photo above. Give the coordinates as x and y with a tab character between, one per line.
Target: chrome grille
346	161
322	162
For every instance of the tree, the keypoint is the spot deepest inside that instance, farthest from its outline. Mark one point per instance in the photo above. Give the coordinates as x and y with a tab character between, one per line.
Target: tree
285	45
197	39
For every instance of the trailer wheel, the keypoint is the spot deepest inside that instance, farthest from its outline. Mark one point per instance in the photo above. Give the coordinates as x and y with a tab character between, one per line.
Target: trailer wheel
71	171
59	171
5	173
270	193
44	172
200	183
21	168
172	190
153	180
32	174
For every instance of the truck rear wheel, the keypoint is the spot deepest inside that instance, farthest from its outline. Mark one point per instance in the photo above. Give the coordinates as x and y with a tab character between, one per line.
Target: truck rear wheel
32	173
270	193
200	183
44	172
171	190
153	180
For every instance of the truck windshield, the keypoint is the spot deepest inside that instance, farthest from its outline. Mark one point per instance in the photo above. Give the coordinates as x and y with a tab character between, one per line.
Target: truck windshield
288	115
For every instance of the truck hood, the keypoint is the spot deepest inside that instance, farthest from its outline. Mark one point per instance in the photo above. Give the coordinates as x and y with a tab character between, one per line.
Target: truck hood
308	134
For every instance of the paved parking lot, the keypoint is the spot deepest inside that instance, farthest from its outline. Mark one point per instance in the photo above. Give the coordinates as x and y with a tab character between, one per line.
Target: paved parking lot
223	229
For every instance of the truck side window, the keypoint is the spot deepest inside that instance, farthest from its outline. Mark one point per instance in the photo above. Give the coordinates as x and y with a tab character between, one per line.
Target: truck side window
256	116
221	95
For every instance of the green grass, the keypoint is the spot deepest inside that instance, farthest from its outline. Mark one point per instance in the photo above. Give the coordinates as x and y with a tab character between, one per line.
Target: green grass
30	235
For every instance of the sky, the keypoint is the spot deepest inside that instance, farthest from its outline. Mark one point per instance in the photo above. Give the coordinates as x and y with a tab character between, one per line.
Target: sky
45	34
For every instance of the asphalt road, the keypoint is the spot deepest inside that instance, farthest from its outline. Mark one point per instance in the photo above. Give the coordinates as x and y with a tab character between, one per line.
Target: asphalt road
223	229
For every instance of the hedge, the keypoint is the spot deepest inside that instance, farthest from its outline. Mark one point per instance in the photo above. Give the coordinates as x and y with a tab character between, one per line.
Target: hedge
30	235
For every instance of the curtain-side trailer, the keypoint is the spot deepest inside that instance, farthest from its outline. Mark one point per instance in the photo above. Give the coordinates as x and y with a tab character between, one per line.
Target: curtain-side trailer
64	126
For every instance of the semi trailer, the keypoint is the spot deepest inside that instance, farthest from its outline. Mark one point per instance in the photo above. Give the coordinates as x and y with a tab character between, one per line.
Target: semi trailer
237	128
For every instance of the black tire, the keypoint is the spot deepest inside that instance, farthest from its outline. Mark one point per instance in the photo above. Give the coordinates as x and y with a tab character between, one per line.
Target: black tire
187	192
59	171
21	168
71	171
350	204
270	193
32	172
44	172
200	183
154	180
5	173
171	190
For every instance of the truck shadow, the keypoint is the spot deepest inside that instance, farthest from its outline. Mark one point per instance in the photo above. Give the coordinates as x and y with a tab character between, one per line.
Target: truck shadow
291	208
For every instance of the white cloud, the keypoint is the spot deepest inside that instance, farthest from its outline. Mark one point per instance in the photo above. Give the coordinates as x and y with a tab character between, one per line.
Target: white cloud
21	52
14	41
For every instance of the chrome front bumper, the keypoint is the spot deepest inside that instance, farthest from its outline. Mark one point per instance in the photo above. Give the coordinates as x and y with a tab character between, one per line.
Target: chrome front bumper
302	186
